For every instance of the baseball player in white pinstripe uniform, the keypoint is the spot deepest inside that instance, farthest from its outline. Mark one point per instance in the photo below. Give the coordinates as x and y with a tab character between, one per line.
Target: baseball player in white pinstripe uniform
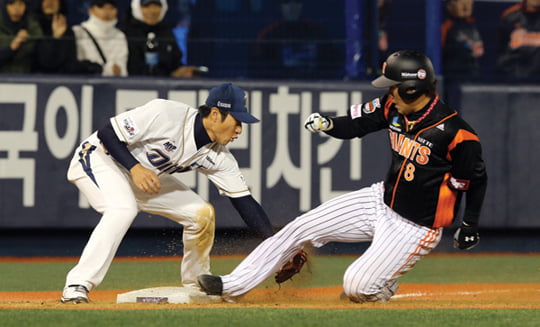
436	158
126	167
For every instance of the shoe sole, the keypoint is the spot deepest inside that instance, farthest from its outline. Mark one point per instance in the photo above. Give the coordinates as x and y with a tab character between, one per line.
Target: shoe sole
76	300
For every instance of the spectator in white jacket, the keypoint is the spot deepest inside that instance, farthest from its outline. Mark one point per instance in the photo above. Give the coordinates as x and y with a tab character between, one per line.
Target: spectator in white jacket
99	41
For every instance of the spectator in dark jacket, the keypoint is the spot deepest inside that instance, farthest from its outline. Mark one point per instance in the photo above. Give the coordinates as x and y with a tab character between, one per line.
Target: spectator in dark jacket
17	37
56	51
519	41
461	41
293	47
146	21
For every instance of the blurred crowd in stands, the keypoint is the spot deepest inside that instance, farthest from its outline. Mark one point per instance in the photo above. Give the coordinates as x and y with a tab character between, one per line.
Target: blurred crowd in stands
35	36
518	38
152	37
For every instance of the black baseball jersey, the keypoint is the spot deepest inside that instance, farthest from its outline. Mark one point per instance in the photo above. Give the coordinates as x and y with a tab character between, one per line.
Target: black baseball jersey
433	161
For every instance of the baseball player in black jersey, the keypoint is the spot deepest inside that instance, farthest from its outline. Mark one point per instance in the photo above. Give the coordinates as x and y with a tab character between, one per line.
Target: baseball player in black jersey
436	158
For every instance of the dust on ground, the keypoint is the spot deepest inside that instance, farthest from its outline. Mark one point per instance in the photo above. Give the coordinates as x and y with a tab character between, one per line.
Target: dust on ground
409	296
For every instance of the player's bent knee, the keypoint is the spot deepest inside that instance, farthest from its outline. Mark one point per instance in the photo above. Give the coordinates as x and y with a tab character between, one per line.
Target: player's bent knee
207	210
204	220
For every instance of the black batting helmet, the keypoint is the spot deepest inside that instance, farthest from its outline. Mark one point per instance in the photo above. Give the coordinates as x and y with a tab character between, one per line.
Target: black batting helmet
411	70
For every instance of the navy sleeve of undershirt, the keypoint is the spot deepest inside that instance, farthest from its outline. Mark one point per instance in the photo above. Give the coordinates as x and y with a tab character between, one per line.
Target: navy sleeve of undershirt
115	147
253	215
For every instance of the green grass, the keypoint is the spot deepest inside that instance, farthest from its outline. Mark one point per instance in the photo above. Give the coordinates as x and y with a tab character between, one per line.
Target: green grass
321	271
270	317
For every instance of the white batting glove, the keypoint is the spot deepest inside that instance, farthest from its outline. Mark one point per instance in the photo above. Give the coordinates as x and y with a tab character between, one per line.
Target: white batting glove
316	123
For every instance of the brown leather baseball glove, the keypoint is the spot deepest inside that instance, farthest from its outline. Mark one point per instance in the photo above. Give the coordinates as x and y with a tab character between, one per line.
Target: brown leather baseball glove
292	267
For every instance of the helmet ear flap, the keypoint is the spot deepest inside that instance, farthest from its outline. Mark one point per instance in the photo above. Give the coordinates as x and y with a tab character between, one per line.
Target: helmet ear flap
404	90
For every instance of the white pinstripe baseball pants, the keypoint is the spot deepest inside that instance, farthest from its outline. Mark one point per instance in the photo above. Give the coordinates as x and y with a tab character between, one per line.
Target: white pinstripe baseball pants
360	216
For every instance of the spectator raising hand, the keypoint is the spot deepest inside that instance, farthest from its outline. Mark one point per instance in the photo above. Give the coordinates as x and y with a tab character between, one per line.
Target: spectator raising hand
55	51
59	25
20	38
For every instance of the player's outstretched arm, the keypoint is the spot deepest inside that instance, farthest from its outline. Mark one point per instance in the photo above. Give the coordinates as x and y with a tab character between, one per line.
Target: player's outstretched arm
253	215
342	127
316	123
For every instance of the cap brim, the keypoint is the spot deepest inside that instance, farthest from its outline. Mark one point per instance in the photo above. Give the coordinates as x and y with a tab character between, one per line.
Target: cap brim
383	81
145	3
244	117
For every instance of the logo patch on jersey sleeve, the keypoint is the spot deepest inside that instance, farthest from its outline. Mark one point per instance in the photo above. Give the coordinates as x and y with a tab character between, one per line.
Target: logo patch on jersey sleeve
130	127
459	184
356	111
395	121
370	107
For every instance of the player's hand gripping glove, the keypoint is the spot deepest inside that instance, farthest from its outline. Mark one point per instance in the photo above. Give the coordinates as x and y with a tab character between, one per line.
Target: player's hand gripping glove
317	123
292	267
466	237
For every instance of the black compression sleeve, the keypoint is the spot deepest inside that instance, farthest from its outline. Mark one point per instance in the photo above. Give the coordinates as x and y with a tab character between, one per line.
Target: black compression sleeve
116	148
253	215
346	128
343	128
469	165
475	196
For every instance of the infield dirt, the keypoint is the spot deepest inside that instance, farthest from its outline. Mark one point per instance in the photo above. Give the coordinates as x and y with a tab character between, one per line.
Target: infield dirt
409	296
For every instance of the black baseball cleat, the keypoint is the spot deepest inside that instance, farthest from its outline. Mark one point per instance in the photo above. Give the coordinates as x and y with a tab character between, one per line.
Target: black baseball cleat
210	284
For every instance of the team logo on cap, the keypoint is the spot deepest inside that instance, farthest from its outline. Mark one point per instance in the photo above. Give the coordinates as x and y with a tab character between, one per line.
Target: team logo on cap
408	75
223	104
420	74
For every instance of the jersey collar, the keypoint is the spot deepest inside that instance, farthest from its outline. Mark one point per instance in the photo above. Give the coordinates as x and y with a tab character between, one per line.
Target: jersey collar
200	134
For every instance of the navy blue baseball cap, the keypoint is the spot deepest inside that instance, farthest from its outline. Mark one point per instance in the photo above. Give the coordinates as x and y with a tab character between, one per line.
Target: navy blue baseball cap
231	98
147	2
